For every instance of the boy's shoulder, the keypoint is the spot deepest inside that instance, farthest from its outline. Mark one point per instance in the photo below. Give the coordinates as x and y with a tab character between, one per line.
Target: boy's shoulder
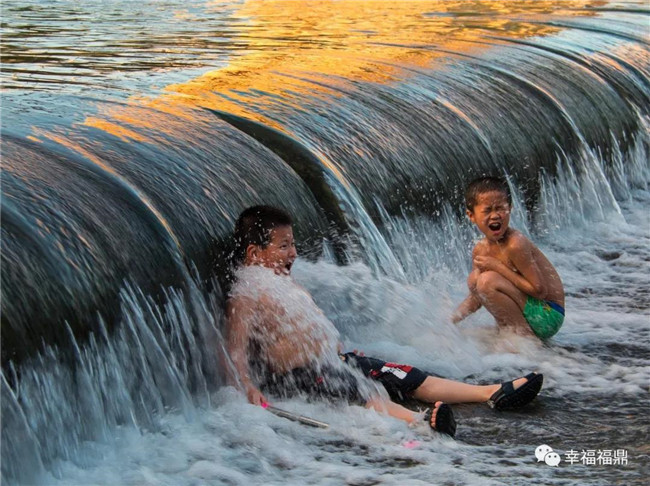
517	241
245	296
514	242
238	303
256	288
518	246
480	246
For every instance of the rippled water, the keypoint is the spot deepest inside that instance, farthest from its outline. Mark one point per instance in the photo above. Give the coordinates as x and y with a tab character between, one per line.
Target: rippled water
72	46
142	47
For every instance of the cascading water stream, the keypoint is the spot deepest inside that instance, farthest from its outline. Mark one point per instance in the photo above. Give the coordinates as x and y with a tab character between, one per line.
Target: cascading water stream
366	123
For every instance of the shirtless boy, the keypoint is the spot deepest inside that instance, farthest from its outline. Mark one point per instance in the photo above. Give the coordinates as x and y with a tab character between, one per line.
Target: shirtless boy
510	276
280	342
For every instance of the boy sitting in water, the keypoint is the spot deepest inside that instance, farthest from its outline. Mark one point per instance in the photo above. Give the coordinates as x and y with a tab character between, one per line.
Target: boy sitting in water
510	276
280	342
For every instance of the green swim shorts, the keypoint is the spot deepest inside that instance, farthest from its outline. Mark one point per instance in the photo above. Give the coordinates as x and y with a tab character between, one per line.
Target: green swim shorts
545	318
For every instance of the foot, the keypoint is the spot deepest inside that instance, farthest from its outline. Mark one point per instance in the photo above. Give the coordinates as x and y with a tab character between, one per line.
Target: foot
516	393
492	389
441	419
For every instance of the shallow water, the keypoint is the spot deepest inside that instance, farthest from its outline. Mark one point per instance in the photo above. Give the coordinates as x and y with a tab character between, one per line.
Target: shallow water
125	85
595	395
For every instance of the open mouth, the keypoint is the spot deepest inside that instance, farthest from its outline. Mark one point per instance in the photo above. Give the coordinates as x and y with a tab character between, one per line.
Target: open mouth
494	226
287	268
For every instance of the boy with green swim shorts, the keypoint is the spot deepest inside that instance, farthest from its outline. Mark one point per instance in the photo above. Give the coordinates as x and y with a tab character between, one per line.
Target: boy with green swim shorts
510	276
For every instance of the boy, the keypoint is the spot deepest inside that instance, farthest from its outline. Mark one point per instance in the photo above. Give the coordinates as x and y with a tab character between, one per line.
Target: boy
280	342
510	276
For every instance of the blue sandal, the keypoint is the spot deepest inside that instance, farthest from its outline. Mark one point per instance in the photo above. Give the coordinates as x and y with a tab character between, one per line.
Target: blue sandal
507	397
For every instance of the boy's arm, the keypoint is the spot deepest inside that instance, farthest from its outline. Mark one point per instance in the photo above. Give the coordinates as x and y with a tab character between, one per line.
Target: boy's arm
529	279
472	302
239	313
468	306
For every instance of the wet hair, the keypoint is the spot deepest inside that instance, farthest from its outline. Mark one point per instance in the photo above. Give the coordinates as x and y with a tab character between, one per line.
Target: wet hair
485	184
253	227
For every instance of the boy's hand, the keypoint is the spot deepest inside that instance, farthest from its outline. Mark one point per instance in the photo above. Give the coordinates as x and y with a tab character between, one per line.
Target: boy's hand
486	263
470	305
255	396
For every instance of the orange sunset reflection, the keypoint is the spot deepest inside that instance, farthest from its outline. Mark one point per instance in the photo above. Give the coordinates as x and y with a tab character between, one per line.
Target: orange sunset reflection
288	50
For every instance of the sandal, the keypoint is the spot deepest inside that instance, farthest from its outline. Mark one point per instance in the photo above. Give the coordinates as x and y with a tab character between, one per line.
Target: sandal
507	397
445	422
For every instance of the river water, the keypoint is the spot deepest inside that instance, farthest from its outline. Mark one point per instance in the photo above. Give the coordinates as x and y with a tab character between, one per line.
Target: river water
134	133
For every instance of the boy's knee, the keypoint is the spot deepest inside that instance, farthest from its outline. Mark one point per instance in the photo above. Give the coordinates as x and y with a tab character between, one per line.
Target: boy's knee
487	282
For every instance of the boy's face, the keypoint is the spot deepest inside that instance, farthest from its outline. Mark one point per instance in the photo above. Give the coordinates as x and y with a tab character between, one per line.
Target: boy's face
278	255
491	214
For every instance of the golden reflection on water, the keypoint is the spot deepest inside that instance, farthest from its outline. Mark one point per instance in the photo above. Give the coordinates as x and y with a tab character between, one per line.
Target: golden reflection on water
292	45
119	131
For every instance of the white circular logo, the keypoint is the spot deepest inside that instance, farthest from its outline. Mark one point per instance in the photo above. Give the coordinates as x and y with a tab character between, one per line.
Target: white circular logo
552	459
544	453
541	451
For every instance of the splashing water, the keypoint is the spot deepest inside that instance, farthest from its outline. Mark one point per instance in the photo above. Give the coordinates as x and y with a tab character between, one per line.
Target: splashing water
116	181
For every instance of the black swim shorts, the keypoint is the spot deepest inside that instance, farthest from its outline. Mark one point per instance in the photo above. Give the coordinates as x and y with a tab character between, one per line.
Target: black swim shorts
316	381
327	382
400	381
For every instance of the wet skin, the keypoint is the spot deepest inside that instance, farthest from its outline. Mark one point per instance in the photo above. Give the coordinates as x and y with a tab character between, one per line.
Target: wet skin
285	346
507	268
290	342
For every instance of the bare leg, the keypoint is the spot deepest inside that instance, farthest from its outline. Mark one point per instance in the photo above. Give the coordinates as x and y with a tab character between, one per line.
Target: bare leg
504	301
434	389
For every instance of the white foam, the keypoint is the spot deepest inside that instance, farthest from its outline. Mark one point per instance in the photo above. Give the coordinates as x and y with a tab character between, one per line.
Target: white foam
601	350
